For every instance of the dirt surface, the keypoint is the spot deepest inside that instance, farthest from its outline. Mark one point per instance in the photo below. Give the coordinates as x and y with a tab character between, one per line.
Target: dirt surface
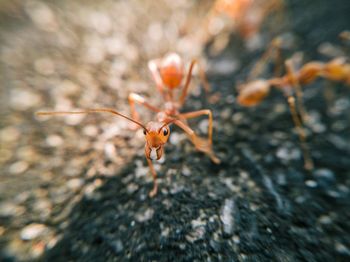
76	188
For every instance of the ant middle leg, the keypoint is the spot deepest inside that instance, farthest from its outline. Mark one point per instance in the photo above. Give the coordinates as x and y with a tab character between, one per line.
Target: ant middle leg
308	163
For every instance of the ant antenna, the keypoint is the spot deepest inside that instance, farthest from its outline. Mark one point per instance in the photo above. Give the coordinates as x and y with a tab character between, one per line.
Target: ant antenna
167	123
89	111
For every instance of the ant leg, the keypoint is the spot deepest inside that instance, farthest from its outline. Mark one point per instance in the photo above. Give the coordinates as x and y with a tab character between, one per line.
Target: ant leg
154	175
200	113
202	76
274	52
153	66
308	163
135	98
200	144
298	91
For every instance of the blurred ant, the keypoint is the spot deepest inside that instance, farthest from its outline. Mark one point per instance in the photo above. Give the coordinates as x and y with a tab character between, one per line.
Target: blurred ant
167	72
247	14
244	16
253	92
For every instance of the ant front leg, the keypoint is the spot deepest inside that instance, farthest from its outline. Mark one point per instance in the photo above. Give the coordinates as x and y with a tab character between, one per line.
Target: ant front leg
308	163
202	76
203	145
135	98
154	175
293	78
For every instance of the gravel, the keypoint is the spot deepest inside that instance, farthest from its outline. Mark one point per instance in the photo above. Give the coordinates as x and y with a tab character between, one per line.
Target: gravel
76	188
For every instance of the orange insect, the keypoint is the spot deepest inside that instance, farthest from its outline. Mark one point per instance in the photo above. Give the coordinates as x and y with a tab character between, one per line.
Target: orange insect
252	93
168	73
245	16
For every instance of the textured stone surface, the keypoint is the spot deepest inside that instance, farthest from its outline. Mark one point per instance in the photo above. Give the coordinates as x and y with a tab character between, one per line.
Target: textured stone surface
76	188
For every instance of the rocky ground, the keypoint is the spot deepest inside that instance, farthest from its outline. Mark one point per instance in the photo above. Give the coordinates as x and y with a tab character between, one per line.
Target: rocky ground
76	188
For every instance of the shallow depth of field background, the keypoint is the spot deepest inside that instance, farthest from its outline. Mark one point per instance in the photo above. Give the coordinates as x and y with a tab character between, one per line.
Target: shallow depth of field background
76	188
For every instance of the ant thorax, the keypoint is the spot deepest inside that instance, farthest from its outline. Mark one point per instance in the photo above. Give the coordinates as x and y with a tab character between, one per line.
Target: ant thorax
162	117
171	108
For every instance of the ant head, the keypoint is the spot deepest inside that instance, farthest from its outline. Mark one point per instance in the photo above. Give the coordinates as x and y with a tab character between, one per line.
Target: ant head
171	70
156	135
253	93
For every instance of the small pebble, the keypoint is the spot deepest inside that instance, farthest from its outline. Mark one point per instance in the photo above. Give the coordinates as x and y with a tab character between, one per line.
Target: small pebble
333	193
144	216
203	126
42	16
342	249
198	230
9	134
226	114
110	150
288	154
186	171
226	216
236	239
330	50
90	130
324	173
23	99
311	183
176	138
165	232
33	231
224	66
10	209
325	220
117	245
131	188
18	167
54	140
75	183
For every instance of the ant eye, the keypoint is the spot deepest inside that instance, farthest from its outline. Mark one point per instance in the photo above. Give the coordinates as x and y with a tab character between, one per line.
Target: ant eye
165	132
144	132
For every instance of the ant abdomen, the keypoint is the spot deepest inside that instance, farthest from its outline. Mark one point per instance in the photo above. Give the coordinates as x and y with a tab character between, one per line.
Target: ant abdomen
171	70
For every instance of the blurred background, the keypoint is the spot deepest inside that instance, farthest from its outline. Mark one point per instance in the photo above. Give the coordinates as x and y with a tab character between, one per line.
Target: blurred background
76	188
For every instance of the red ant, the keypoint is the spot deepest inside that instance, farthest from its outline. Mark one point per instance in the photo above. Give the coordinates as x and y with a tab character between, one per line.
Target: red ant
253	92
244	17
168	74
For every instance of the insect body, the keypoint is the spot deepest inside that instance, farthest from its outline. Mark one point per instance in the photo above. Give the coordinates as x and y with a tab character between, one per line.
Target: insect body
254	92
168	74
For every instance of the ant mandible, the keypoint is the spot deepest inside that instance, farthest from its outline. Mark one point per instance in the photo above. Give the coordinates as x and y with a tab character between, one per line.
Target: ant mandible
168	75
